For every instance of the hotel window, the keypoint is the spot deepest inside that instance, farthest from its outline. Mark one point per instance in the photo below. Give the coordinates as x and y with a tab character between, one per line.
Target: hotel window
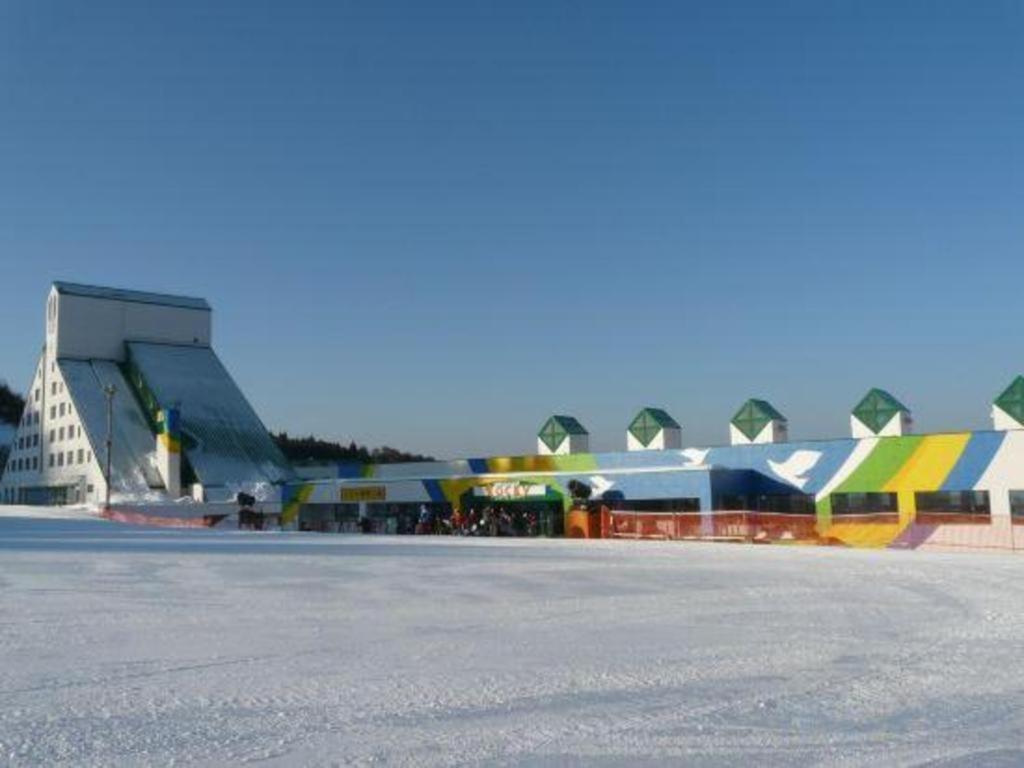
53	411
952	506
37	394
53	388
683	504
60	459
863	504
35	440
51	459
88	457
71	458
1017	506
785	503
53	435
61	433
35	462
81	455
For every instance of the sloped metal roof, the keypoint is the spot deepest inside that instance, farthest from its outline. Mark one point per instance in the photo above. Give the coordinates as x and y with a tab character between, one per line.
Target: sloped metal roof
223	438
140	297
133	468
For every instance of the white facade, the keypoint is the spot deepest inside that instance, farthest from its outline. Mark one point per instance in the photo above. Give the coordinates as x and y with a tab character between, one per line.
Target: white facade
775	431
153	352
86	325
51	450
54	459
667	438
902	423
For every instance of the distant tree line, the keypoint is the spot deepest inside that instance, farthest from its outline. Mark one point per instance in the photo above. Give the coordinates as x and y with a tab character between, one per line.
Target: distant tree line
300	450
313	450
11	405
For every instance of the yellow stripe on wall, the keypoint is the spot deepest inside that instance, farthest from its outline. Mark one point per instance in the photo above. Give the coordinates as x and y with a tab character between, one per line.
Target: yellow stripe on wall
926	469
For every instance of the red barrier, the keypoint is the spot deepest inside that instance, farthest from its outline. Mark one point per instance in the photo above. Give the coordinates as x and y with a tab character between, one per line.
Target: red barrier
726	526
139	518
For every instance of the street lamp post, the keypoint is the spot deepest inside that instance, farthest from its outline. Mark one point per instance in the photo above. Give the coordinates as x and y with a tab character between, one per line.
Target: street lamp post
109	390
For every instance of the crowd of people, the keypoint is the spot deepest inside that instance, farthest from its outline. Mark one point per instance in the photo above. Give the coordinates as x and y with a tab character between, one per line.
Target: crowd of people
486	521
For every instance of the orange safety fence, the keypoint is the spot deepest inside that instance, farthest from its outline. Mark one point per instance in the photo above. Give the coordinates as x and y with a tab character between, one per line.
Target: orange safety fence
139	518
723	526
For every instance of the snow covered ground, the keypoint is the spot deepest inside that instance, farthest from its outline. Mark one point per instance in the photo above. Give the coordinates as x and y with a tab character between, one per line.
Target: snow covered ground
129	646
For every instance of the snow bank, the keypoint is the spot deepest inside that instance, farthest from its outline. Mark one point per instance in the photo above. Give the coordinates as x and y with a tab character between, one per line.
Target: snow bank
140	646
82	512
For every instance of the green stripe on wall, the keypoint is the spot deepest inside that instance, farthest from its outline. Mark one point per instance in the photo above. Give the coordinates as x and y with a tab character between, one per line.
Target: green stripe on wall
881	465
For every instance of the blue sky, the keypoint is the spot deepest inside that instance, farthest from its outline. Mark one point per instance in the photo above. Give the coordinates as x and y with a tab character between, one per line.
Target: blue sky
433	224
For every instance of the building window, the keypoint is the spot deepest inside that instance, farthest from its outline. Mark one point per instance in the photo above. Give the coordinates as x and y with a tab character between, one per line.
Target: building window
953	507
656	505
775	503
53	411
1017	506
60	459
60	409
51	459
88	457
81	455
37	395
53	435
851	504
35	462
35	440
61	433
71	458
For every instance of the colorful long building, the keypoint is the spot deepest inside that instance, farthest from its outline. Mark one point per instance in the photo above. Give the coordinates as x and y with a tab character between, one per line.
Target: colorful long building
881	487
129	399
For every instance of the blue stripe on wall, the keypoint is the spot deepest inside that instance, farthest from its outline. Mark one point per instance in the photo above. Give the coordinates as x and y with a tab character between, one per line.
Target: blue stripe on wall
973	462
433	488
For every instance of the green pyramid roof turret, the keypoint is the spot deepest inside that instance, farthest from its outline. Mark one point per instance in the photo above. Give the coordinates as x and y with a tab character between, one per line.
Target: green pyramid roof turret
1012	400
754	415
649	422
557	428
877	408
